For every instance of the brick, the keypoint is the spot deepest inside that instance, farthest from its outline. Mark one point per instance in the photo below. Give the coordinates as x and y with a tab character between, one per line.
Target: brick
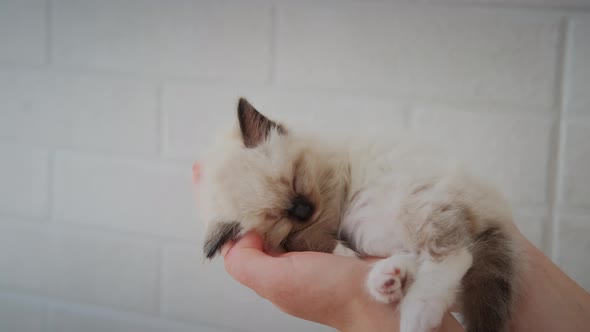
195	115
107	270
573	247
85	112
510	150
79	266
19	315
179	37
23	178
22	31
575	174
76	320
578	68
24	257
186	282
477	54
132	195
331	112
540	3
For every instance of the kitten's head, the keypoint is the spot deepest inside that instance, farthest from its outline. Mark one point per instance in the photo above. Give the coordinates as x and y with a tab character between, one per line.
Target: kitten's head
264	177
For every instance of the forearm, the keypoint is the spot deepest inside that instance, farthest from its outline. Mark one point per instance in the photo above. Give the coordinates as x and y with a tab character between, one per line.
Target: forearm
550	300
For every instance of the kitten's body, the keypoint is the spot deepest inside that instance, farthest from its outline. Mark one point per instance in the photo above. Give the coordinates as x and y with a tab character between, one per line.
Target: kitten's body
409	200
442	229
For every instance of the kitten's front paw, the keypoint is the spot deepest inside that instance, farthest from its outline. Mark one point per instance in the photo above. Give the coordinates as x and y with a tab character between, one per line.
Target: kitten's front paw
389	279
387	286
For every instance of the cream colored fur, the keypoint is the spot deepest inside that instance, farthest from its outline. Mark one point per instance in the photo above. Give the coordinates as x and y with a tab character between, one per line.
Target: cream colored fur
386	197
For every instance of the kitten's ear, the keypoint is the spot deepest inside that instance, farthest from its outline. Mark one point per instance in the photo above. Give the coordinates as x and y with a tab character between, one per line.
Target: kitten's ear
255	127
218	235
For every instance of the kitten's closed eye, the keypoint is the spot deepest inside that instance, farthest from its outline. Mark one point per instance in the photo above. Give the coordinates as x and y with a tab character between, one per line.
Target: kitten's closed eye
302	209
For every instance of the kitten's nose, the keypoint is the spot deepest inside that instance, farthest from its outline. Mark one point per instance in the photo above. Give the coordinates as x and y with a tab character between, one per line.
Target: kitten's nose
302	209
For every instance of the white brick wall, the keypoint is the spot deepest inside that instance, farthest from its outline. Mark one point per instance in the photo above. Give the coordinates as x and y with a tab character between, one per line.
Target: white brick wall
455	53
22	315
24	179
24	256
68	319
193	291
105	104
45	108
509	148
27	20
216	39
143	196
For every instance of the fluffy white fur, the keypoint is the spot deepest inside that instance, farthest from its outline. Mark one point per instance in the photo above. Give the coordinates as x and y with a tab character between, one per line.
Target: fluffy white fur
384	197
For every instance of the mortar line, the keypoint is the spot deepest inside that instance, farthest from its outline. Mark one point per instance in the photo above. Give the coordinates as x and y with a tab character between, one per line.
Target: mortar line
557	143
273	43
160	121
50	183
48	32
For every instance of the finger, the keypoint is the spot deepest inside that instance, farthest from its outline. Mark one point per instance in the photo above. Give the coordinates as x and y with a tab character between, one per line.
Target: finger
250	266
226	247
250	241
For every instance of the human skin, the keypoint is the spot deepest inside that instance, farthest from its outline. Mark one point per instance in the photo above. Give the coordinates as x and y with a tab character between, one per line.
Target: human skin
550	300
329	289
319	287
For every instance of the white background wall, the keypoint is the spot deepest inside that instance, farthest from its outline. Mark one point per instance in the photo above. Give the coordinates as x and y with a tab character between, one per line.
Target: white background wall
105	104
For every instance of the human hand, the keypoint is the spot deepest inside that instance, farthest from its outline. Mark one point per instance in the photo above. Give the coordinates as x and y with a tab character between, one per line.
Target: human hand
320	287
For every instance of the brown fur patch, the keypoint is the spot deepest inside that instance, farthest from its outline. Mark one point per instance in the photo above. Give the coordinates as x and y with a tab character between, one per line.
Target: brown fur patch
488	286
285	181
258	186
298	165
470	218
456	226
254	126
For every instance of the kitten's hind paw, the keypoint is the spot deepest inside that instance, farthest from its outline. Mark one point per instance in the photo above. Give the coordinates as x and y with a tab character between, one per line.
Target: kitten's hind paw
390	278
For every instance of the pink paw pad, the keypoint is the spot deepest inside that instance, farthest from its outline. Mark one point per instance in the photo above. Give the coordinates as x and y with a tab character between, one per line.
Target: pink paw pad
389	283
389	278
386	284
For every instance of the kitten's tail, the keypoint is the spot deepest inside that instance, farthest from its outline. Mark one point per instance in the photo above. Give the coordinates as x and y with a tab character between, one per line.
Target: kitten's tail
489	286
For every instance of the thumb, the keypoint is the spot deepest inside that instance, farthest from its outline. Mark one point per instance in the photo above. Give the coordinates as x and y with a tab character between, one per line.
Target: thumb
249	265
249	241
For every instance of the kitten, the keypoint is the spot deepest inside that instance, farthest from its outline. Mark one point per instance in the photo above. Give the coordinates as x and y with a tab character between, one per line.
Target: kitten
445	232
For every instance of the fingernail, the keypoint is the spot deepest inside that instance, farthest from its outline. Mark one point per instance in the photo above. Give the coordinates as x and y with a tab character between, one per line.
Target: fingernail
226	248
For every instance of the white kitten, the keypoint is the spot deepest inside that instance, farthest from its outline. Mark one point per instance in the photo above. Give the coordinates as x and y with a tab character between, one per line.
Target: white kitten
444	231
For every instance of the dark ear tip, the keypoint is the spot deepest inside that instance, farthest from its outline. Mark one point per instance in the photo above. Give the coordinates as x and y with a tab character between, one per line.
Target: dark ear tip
211	250
243	105
222	233
209	255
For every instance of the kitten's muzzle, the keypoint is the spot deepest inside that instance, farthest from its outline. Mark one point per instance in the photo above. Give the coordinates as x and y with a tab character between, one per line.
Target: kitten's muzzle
301	210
